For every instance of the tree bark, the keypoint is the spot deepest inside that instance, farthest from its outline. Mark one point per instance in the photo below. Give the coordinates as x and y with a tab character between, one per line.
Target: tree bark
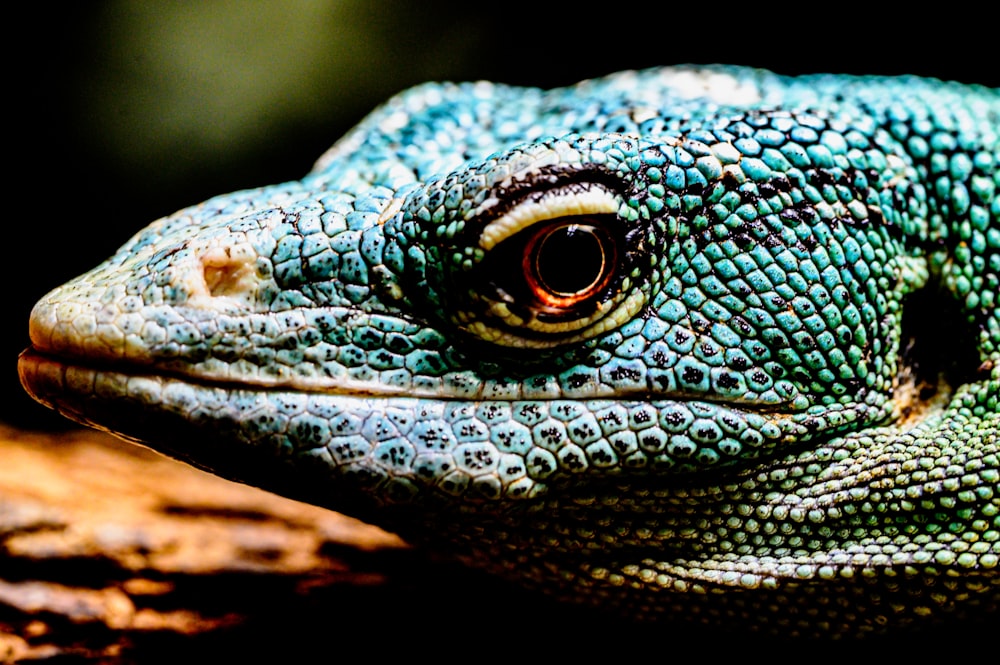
110	550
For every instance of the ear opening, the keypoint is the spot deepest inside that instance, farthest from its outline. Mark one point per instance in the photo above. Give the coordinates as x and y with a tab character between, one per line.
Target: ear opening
938	343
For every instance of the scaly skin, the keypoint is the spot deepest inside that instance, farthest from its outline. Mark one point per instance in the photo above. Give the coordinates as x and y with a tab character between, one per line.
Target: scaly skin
704	343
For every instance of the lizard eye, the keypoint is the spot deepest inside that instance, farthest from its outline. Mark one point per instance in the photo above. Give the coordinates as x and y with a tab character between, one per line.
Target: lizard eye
565	266
554	269
568	261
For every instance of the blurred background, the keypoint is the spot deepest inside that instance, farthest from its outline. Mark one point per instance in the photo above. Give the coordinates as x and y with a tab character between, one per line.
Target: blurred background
120	112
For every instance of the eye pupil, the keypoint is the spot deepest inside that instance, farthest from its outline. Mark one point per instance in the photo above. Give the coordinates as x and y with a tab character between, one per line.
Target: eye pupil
566	265
570	260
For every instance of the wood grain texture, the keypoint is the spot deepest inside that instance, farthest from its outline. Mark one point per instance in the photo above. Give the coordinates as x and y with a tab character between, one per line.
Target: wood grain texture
108	548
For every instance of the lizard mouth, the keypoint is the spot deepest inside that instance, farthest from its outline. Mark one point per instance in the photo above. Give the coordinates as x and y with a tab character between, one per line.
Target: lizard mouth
215	425
75	389
51	378
262	437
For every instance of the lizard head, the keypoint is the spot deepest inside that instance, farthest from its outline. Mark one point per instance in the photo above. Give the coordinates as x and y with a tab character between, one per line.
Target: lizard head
495	318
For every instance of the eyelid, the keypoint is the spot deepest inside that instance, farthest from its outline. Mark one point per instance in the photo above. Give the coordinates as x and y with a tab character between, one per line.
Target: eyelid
578	199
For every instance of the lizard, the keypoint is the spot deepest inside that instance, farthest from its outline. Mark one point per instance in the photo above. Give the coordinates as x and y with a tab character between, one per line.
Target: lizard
696	342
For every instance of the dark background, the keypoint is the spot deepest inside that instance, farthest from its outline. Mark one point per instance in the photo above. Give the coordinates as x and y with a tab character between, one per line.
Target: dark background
120	112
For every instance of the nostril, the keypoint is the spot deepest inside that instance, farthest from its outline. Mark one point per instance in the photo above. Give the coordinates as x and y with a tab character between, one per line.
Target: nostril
230	272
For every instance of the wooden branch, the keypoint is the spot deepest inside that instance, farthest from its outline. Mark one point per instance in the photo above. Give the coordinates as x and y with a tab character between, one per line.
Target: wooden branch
108	547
